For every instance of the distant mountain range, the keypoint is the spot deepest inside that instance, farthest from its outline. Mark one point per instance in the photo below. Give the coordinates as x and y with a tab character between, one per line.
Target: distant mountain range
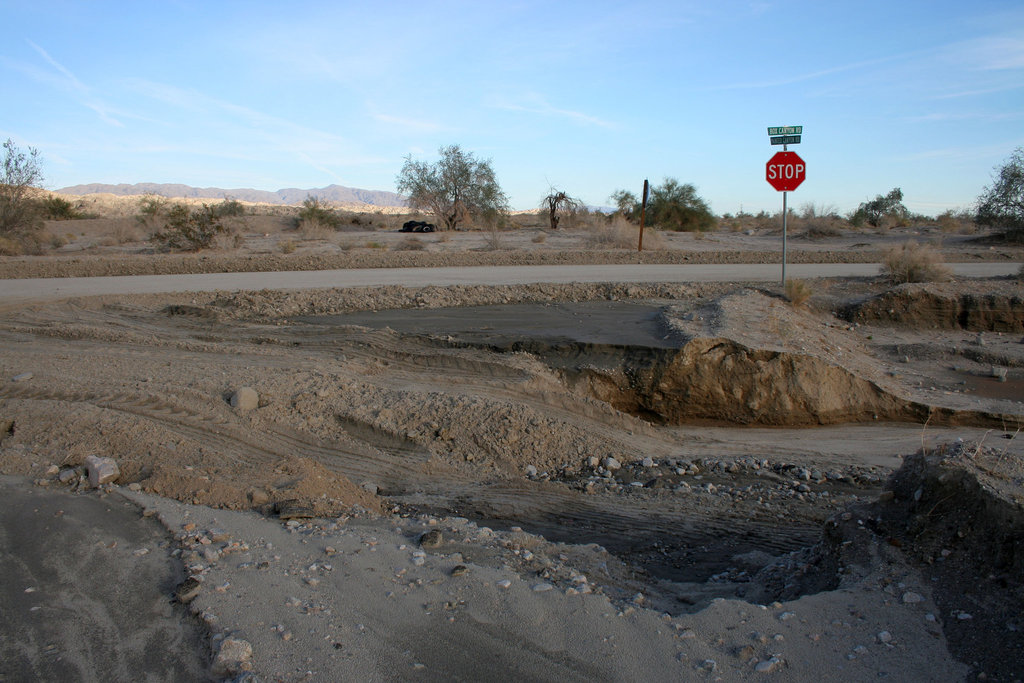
291	195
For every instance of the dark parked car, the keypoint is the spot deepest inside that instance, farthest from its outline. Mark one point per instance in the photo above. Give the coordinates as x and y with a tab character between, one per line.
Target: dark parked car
418	226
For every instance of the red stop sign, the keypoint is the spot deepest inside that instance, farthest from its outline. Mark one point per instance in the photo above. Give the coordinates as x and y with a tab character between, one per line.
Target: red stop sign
785	171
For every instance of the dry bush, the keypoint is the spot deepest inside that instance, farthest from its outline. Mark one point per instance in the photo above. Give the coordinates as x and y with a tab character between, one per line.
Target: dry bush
539	238
960	222
913	262
9	247
124	232
619	233
798	292
287	247
314	229
410	244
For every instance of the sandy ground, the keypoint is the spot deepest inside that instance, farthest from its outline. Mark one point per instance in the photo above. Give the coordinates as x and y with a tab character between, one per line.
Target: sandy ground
637	481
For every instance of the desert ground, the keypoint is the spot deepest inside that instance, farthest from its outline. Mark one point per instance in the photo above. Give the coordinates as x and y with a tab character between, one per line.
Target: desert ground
534	481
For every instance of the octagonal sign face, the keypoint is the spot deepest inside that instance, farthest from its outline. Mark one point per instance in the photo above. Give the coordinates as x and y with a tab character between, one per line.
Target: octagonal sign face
785	171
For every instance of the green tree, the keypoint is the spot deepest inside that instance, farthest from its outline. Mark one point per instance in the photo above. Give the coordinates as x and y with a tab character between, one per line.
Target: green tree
672	206
880	208
626	203
19	212
1001	204
456	189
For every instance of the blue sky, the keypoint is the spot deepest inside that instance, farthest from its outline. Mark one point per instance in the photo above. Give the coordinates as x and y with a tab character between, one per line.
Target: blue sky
588	97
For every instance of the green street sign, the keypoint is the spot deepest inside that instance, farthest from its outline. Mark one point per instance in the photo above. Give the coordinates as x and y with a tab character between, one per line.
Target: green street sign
785	140
786	130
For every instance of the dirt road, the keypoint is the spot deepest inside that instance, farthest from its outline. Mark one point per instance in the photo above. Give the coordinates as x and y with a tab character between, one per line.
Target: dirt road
20	291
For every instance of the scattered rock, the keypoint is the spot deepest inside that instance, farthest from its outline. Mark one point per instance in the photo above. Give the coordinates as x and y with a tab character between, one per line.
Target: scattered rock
912	598
258	497
101	470
431	539
460	570
23	377
293	509
187	590
611	464
531	471
542	587
369	487
245	399
233	657
769	665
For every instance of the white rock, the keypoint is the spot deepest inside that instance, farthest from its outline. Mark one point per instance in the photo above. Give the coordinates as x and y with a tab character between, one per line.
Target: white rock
611	464
245	399
912	598
884	637
647	462
769	665
542	587
101	470
504	583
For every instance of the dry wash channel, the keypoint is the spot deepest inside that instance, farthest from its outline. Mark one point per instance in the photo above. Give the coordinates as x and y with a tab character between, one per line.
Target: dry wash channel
599	421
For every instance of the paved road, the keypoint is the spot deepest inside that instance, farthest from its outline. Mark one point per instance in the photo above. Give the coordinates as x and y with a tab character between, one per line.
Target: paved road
49	289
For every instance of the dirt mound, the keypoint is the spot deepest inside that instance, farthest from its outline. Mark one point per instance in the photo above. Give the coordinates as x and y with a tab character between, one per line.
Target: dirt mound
930	306
721	380
958	512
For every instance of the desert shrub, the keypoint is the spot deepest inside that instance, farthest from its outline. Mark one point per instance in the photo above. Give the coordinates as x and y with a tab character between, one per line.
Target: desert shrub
288	247
619	233
316	216
913	262
56	208
410	244
959	221
190	230
798	292
539	238
151	212
10	247
229	208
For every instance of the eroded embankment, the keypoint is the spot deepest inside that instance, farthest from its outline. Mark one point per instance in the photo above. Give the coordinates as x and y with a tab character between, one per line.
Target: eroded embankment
931	306
722	381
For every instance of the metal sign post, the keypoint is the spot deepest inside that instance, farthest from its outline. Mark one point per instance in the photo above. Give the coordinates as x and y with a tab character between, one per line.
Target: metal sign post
643	215
785	171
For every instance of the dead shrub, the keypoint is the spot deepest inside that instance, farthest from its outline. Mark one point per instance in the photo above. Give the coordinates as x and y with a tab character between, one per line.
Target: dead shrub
9	247
798	292
619	233
313	228
410	244
287	247
913	262
539	238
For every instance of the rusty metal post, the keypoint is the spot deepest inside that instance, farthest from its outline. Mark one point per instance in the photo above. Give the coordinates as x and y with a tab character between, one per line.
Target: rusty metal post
643	215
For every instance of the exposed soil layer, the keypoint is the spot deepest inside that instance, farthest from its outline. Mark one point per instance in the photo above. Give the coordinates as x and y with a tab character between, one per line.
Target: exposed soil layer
1000	309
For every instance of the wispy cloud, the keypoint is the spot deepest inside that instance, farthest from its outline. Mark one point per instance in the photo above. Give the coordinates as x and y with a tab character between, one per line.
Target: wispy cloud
72	83
537	104
316	148
411	124
809	76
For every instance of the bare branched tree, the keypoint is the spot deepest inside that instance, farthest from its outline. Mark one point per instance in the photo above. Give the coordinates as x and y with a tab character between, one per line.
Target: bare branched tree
558	204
